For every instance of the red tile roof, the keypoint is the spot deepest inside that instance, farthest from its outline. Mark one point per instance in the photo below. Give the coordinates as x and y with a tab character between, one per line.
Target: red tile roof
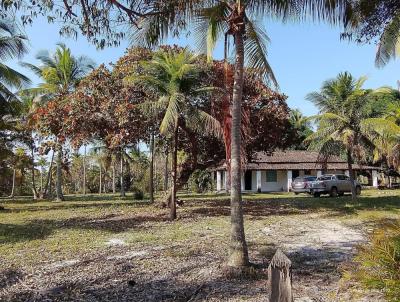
296	160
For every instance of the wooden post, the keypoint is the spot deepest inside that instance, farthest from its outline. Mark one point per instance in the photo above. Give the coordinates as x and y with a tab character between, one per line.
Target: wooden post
280	278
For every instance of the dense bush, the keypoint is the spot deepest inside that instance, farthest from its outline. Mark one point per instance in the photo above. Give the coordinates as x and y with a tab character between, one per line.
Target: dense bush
201	181
379	262
137	194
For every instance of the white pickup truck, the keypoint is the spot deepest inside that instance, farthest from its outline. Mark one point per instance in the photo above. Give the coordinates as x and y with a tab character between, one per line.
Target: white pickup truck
334	185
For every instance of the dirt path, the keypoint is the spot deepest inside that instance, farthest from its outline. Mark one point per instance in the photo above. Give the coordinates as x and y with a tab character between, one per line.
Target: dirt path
191	270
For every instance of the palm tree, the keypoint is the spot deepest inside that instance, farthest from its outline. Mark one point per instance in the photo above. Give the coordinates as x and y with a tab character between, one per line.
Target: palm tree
385	134
104	158
302	126
61	73
173	76
343	119
42	163
212	19
12	45
151	180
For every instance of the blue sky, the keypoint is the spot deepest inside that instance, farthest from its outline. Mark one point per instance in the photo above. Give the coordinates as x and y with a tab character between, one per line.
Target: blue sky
302	57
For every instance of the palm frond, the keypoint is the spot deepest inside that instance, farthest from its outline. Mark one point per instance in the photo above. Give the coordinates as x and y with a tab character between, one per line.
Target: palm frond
12	43
202	122
335	12
170	119
255	46
13	78
329	117
210	26
154	108
389	43
35	69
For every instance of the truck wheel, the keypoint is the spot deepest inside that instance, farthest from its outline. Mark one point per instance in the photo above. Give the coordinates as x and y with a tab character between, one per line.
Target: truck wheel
334	192
358	190
317	194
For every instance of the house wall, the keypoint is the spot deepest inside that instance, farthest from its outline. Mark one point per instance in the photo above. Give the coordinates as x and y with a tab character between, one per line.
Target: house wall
282	179
279	185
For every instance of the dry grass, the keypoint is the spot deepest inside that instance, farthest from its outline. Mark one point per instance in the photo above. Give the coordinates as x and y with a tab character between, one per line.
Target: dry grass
84	244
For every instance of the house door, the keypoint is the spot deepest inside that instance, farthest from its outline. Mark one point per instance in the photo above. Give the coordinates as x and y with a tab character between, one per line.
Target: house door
295	173
247	180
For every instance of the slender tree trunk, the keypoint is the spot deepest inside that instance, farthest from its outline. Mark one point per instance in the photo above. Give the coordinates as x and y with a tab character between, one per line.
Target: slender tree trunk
122	173
59	193
113	177
50	194
151	183
34	191
166	170
48	180
100	180
238	247
84	170
41	179
172	204
13	183
351	174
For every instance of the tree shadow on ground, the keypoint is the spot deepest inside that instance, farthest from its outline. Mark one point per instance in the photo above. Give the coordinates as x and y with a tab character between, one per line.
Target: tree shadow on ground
42	228
72	205
12	233
299	205
193	281
9	277
125	285
254	209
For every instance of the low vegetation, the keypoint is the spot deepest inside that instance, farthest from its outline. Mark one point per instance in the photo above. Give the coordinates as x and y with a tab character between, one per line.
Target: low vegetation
47	245
378	263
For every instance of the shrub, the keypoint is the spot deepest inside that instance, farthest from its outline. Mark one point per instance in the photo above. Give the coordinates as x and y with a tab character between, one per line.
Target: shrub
138	194
201	181
378	263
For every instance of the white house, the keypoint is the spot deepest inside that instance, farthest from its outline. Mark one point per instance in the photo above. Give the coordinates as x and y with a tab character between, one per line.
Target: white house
275	172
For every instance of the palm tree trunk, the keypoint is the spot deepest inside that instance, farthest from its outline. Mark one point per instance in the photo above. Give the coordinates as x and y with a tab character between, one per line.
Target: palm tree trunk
151	184
113	177
48	180
100	180
41	179
238	247
351	174
84	171
13	183
59	194
34	191
122	172
172	205
166	171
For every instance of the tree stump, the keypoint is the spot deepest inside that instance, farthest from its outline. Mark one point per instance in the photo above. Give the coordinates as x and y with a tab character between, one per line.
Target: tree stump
280	278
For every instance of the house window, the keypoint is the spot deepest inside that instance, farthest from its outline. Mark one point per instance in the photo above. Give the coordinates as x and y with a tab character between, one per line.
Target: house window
272	176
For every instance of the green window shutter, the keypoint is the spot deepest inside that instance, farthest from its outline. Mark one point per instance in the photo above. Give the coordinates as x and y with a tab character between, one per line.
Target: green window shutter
272	176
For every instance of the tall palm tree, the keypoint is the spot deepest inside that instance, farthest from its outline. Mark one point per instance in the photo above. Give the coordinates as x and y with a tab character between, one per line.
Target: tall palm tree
61	73
173	76
12	45
302	126
342	121
385	134
213	19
